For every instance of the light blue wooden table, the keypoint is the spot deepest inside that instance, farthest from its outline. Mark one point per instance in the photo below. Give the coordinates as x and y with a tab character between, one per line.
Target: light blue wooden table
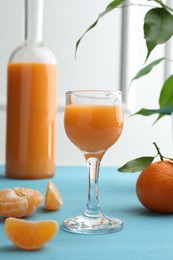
146	235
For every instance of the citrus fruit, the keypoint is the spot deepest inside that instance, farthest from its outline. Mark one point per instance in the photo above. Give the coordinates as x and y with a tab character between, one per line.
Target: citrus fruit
19	202
154	187
29	235
53	200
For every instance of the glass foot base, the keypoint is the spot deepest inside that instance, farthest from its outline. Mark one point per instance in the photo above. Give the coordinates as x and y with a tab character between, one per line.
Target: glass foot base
92	225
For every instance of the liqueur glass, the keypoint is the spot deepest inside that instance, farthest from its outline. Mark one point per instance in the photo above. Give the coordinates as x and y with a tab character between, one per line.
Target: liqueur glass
93	121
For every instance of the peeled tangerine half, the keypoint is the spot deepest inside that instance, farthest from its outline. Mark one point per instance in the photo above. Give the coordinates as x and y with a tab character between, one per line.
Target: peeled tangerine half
29	235
53	200
19	202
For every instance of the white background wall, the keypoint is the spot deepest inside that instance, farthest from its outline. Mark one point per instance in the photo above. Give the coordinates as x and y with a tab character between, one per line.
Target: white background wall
97	66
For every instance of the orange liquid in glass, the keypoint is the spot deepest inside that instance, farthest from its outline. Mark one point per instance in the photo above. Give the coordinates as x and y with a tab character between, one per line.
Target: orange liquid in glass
31	119
93	128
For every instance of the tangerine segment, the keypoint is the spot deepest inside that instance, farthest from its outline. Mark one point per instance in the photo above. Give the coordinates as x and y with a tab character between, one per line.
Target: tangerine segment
53	199
29	235
19	202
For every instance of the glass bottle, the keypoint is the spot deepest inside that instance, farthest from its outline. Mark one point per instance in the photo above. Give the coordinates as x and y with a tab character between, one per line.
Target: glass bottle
31	102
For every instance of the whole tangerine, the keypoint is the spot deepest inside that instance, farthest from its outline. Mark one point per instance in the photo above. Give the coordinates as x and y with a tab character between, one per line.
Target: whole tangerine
154	187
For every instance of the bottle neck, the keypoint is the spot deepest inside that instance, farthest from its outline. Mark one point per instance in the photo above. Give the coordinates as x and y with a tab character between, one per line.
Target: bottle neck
33	21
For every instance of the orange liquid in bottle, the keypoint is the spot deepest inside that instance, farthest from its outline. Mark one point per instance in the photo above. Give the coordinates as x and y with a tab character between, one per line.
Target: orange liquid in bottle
31	120
93	128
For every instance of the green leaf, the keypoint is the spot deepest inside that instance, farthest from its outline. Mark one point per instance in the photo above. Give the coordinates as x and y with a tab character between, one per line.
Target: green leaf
165	110
147	69
166	94
109	8
146	112
136	165
163	5
165	102
162	111
171	159
158	28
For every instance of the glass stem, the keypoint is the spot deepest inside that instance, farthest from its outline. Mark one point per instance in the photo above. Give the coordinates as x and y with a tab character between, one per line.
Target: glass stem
93	208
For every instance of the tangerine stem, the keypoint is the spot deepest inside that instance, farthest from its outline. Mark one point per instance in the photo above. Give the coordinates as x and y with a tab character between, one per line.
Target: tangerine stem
158	152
